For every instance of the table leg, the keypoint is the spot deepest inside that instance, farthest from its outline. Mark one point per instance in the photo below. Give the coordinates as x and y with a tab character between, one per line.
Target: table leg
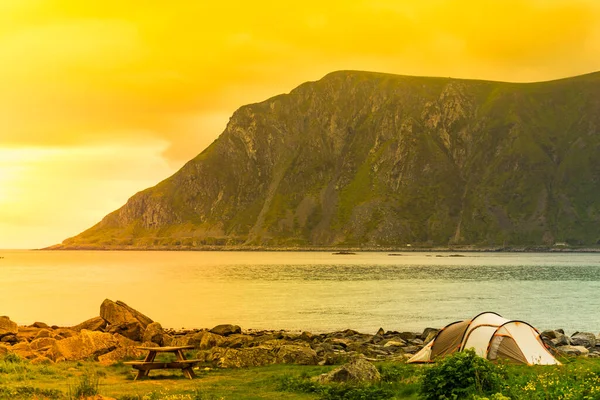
149	358
188	371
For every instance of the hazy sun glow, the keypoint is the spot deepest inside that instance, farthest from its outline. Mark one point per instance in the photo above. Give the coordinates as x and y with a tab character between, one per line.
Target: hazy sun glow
101	99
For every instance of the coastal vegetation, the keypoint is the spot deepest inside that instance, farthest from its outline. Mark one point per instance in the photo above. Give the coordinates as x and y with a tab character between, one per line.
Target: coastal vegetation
90	359
460	376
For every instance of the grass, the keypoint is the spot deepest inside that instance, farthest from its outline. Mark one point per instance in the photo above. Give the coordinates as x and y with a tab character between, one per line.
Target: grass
69	380
19	379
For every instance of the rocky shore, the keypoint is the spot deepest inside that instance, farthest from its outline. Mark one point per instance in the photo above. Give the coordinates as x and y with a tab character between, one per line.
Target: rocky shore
119	330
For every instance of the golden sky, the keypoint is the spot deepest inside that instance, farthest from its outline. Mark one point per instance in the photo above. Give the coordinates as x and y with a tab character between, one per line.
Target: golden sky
99	100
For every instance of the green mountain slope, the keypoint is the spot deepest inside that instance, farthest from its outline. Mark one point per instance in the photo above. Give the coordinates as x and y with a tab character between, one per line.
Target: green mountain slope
368	159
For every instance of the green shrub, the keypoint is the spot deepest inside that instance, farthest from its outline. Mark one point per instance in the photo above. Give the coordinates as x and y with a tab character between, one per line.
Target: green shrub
87	385
397	372
461	376
12	358
495	396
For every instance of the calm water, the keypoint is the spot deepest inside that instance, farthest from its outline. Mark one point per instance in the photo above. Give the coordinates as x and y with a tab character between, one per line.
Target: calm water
303	290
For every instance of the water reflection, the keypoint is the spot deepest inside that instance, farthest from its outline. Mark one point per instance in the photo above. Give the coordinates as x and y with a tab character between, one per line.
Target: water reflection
303	291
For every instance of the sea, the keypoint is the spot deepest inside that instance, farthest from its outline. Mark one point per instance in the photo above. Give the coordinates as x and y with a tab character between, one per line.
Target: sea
304	291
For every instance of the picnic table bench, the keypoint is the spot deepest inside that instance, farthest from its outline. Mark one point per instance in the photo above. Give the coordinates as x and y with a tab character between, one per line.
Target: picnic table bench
144	367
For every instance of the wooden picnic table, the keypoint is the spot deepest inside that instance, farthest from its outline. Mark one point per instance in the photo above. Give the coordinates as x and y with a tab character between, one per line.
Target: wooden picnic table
144	367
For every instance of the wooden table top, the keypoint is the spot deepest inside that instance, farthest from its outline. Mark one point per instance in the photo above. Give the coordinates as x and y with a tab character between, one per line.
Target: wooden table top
167	348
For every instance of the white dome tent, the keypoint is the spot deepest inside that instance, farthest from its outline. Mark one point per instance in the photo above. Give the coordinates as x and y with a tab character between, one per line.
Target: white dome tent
492	337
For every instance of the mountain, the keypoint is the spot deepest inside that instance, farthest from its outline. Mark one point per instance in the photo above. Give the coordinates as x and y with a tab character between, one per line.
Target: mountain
370	159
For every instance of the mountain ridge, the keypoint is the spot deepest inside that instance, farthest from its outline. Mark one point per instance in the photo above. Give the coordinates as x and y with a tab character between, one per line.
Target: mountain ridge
366	159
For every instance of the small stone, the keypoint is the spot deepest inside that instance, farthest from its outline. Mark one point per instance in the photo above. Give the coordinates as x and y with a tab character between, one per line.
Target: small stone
408	335
411	349
395	343
344	343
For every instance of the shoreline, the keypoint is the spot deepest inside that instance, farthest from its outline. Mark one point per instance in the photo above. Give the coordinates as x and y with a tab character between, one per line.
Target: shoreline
119	330
342	250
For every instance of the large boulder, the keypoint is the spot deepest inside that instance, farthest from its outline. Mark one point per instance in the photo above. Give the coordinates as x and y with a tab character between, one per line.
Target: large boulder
93	324
237	341
23	350
555	338
241	358
294	354
64	333
42	343
209	340
87	344
9	338
585	339
7	327
428	334
357	371
262	355
118	313
121	354
132	330
573	350
154	333
226	330
43	333
185	340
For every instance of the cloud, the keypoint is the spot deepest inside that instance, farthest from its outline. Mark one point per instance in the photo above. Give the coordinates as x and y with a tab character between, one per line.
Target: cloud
70	189
83	70
155	83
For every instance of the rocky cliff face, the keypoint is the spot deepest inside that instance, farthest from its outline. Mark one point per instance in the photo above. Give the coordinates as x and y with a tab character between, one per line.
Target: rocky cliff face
367	159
